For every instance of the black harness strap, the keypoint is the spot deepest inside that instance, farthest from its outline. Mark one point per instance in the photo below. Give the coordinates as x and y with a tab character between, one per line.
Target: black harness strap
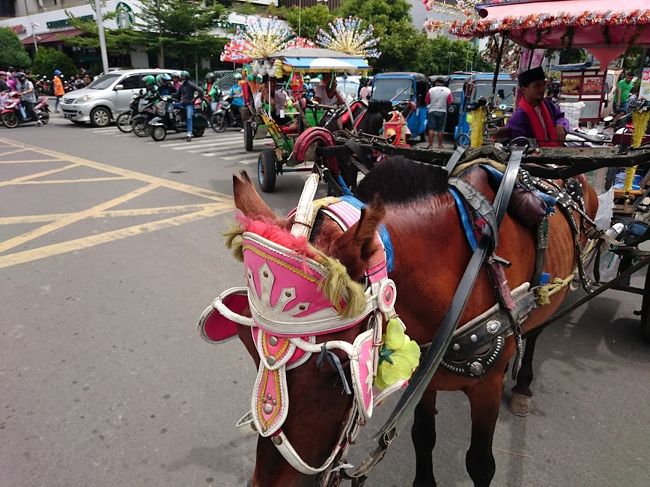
404	409
454	159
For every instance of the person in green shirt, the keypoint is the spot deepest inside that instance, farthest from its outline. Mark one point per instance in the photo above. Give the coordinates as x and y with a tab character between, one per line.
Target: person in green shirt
623	89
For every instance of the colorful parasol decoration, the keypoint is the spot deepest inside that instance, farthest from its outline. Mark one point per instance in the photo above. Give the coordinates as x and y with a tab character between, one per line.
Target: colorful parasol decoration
266	36
299	42
348	36
236	51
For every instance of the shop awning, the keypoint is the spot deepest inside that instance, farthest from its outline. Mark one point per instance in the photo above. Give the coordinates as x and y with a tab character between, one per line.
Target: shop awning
51	37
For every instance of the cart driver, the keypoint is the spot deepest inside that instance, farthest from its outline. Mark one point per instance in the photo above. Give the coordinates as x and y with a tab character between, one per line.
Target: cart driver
536	117
326	93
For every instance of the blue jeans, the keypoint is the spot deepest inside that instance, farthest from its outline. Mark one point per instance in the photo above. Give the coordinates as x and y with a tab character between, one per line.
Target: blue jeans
189	113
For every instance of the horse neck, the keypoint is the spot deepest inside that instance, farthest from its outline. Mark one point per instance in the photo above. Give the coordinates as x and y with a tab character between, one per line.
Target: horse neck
430	255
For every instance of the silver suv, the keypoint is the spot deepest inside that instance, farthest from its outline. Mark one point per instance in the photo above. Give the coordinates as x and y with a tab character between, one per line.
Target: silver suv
106	97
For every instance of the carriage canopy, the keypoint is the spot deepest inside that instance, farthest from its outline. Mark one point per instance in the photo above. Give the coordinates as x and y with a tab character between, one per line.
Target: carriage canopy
605	28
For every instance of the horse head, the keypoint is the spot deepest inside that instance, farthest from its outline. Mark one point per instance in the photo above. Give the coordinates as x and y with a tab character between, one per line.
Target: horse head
312	315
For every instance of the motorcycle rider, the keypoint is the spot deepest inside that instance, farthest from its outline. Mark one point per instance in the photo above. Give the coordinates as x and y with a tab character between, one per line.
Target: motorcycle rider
58	89
26	90
3	82
185	95
212	91
237	96
150	86
164	84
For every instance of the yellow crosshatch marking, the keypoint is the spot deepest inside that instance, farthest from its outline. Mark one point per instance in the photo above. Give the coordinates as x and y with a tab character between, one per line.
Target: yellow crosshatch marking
172	215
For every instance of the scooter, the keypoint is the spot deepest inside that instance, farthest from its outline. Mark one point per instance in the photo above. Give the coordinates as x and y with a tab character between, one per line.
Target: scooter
225	116
174	119
147	110
12	111
124	121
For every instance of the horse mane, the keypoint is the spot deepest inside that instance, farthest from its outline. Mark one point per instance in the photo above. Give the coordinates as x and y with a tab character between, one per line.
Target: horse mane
398	180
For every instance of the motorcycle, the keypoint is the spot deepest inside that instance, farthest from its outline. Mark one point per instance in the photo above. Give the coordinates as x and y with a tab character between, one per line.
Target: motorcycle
44	86
174	119
225	116
12	111
147	110
124	121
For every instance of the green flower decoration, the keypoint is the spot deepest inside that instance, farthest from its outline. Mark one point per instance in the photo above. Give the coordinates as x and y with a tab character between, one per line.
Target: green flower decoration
398	357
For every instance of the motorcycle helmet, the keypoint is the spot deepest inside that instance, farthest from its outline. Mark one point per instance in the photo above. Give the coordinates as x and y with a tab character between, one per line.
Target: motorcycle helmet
185	74
57	72
237	76
307	79
161	78
20	75
149	80
2	73
210	78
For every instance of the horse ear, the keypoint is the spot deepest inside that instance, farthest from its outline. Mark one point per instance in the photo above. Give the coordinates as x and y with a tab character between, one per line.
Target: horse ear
356	245
248	201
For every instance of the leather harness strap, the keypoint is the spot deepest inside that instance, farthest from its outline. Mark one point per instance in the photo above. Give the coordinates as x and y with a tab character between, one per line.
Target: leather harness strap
404	409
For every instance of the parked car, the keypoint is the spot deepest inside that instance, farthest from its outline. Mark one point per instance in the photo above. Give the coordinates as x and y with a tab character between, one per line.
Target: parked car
106	97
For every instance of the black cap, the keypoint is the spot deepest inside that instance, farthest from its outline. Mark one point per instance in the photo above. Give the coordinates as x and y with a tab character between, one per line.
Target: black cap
527	77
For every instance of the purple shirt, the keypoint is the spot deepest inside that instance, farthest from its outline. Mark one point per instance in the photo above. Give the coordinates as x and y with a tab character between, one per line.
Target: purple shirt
519	124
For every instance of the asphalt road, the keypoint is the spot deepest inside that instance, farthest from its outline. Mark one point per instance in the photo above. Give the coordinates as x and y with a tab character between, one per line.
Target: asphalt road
111	247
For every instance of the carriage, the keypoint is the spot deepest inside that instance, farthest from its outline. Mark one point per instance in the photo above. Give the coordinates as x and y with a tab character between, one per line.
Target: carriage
321	284
295	63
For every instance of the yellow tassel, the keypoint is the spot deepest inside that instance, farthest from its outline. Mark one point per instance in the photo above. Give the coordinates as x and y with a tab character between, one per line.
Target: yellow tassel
476	127
629	178
339	285
235	242
640	121
543	294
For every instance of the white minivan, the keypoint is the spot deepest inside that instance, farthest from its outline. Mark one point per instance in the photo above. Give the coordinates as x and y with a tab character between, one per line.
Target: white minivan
106	97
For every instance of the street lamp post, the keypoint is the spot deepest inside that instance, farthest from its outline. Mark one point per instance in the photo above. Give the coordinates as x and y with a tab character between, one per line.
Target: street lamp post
102	38
34	24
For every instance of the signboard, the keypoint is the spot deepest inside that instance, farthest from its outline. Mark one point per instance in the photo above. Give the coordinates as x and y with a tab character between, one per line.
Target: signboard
644	91
592	85
59	24
570	85
124	16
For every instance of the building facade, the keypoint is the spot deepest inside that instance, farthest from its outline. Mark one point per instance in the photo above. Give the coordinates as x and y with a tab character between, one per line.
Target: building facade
332	4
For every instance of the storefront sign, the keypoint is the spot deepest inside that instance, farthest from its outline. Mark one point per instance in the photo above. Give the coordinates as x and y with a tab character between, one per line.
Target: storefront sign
592	85
59	24
570	85
124	16
644	91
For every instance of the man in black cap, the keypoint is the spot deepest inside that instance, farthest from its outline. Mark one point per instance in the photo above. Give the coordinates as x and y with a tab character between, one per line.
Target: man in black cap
536	117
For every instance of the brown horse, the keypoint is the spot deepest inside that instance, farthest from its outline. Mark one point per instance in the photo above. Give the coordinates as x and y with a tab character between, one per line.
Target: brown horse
430	256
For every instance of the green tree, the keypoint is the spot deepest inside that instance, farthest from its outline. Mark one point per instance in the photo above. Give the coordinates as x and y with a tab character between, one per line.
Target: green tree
177	29
441	55
47	60
399	41
12	52
309	21
180	27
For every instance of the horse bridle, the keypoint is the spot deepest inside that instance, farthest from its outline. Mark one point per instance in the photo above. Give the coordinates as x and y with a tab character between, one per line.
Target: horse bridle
286	334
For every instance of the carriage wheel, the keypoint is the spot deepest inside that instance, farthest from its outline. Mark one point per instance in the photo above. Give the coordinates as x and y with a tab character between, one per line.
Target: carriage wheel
266	170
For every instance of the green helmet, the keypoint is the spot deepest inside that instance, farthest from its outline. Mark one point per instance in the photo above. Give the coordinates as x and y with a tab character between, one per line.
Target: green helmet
185	74
149	80
237	76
